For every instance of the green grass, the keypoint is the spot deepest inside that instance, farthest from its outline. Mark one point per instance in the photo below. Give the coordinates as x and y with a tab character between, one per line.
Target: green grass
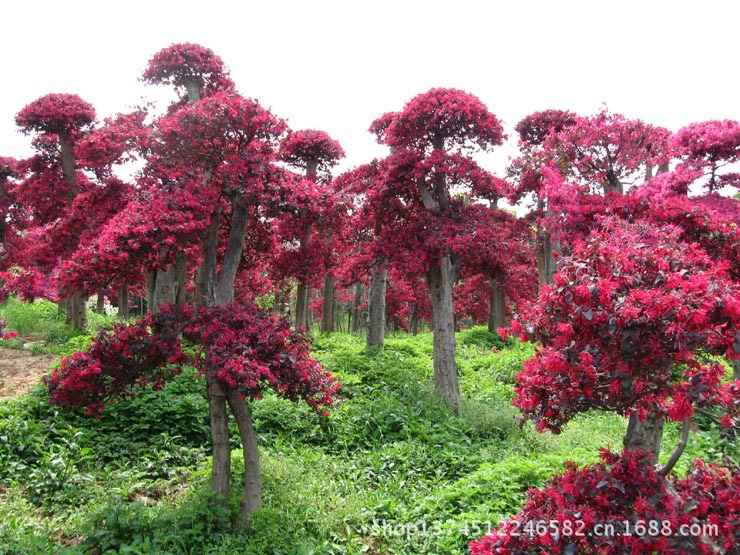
392	470
42	324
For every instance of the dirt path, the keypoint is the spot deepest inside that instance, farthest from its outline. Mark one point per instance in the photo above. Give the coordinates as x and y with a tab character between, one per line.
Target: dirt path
21	370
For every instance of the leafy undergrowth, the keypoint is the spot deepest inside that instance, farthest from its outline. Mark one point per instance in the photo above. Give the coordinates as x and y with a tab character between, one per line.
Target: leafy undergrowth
43	327
391	471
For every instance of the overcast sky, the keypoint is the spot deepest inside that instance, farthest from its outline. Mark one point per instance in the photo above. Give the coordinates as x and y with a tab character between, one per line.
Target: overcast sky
337	65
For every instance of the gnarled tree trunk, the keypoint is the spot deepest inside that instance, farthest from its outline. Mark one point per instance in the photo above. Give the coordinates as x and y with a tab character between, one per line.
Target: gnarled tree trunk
252	498
441	279
165	288
216	288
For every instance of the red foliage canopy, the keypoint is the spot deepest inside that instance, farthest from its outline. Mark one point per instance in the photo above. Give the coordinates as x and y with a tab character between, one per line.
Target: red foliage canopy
310	148
180	64
625	327
236	346
55	113
709	145
534	129
448	119
228	137
622	505
607	151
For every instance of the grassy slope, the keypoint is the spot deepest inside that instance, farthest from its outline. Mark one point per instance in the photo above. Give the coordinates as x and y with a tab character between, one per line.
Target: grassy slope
391	471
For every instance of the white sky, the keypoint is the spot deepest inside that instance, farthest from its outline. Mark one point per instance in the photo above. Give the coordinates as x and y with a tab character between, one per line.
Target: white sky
337	65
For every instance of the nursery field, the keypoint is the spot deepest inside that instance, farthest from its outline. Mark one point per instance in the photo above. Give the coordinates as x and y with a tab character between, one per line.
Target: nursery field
392	470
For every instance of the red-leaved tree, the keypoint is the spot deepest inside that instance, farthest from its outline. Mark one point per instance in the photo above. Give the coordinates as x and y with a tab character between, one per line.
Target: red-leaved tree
237	347
304	231
632	323
210	173
622	505
418	214
629	325
59	119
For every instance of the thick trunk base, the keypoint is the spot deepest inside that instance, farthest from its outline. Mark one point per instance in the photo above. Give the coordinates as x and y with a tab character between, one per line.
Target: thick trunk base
327	308
496	308
441	281
376	308
252	497
219	421
301	307
165	288
77	311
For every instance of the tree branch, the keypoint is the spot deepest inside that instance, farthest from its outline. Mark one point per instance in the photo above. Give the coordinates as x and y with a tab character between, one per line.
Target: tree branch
685	429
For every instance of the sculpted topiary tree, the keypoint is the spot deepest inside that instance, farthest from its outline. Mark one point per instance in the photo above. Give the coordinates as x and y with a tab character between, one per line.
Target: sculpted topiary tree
195	72
418	211
315	153
630	324
526	173
238	349
210	172
708	147
61	118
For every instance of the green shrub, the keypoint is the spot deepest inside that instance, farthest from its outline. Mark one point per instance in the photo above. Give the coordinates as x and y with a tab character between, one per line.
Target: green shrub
479	336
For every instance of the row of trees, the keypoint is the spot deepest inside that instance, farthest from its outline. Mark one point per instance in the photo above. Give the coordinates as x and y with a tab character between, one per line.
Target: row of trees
637	279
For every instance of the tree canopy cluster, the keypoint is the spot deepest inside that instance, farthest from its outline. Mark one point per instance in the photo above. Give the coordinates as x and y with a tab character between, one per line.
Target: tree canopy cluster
625	268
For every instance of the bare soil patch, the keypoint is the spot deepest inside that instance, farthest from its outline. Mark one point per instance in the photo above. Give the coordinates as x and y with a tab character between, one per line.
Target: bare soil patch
21	370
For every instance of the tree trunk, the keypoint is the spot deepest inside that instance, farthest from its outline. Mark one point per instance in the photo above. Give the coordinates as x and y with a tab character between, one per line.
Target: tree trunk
181	277
356	312
301	306
646	435
68	167
216	289
123	311
77	305
546	264
165	288
496	307
100	302
441	280
252	497
208	271
414	319
219	420
277	303
327	309
736	369
77	311
233	253
612	183
376	305
151	282
193	88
